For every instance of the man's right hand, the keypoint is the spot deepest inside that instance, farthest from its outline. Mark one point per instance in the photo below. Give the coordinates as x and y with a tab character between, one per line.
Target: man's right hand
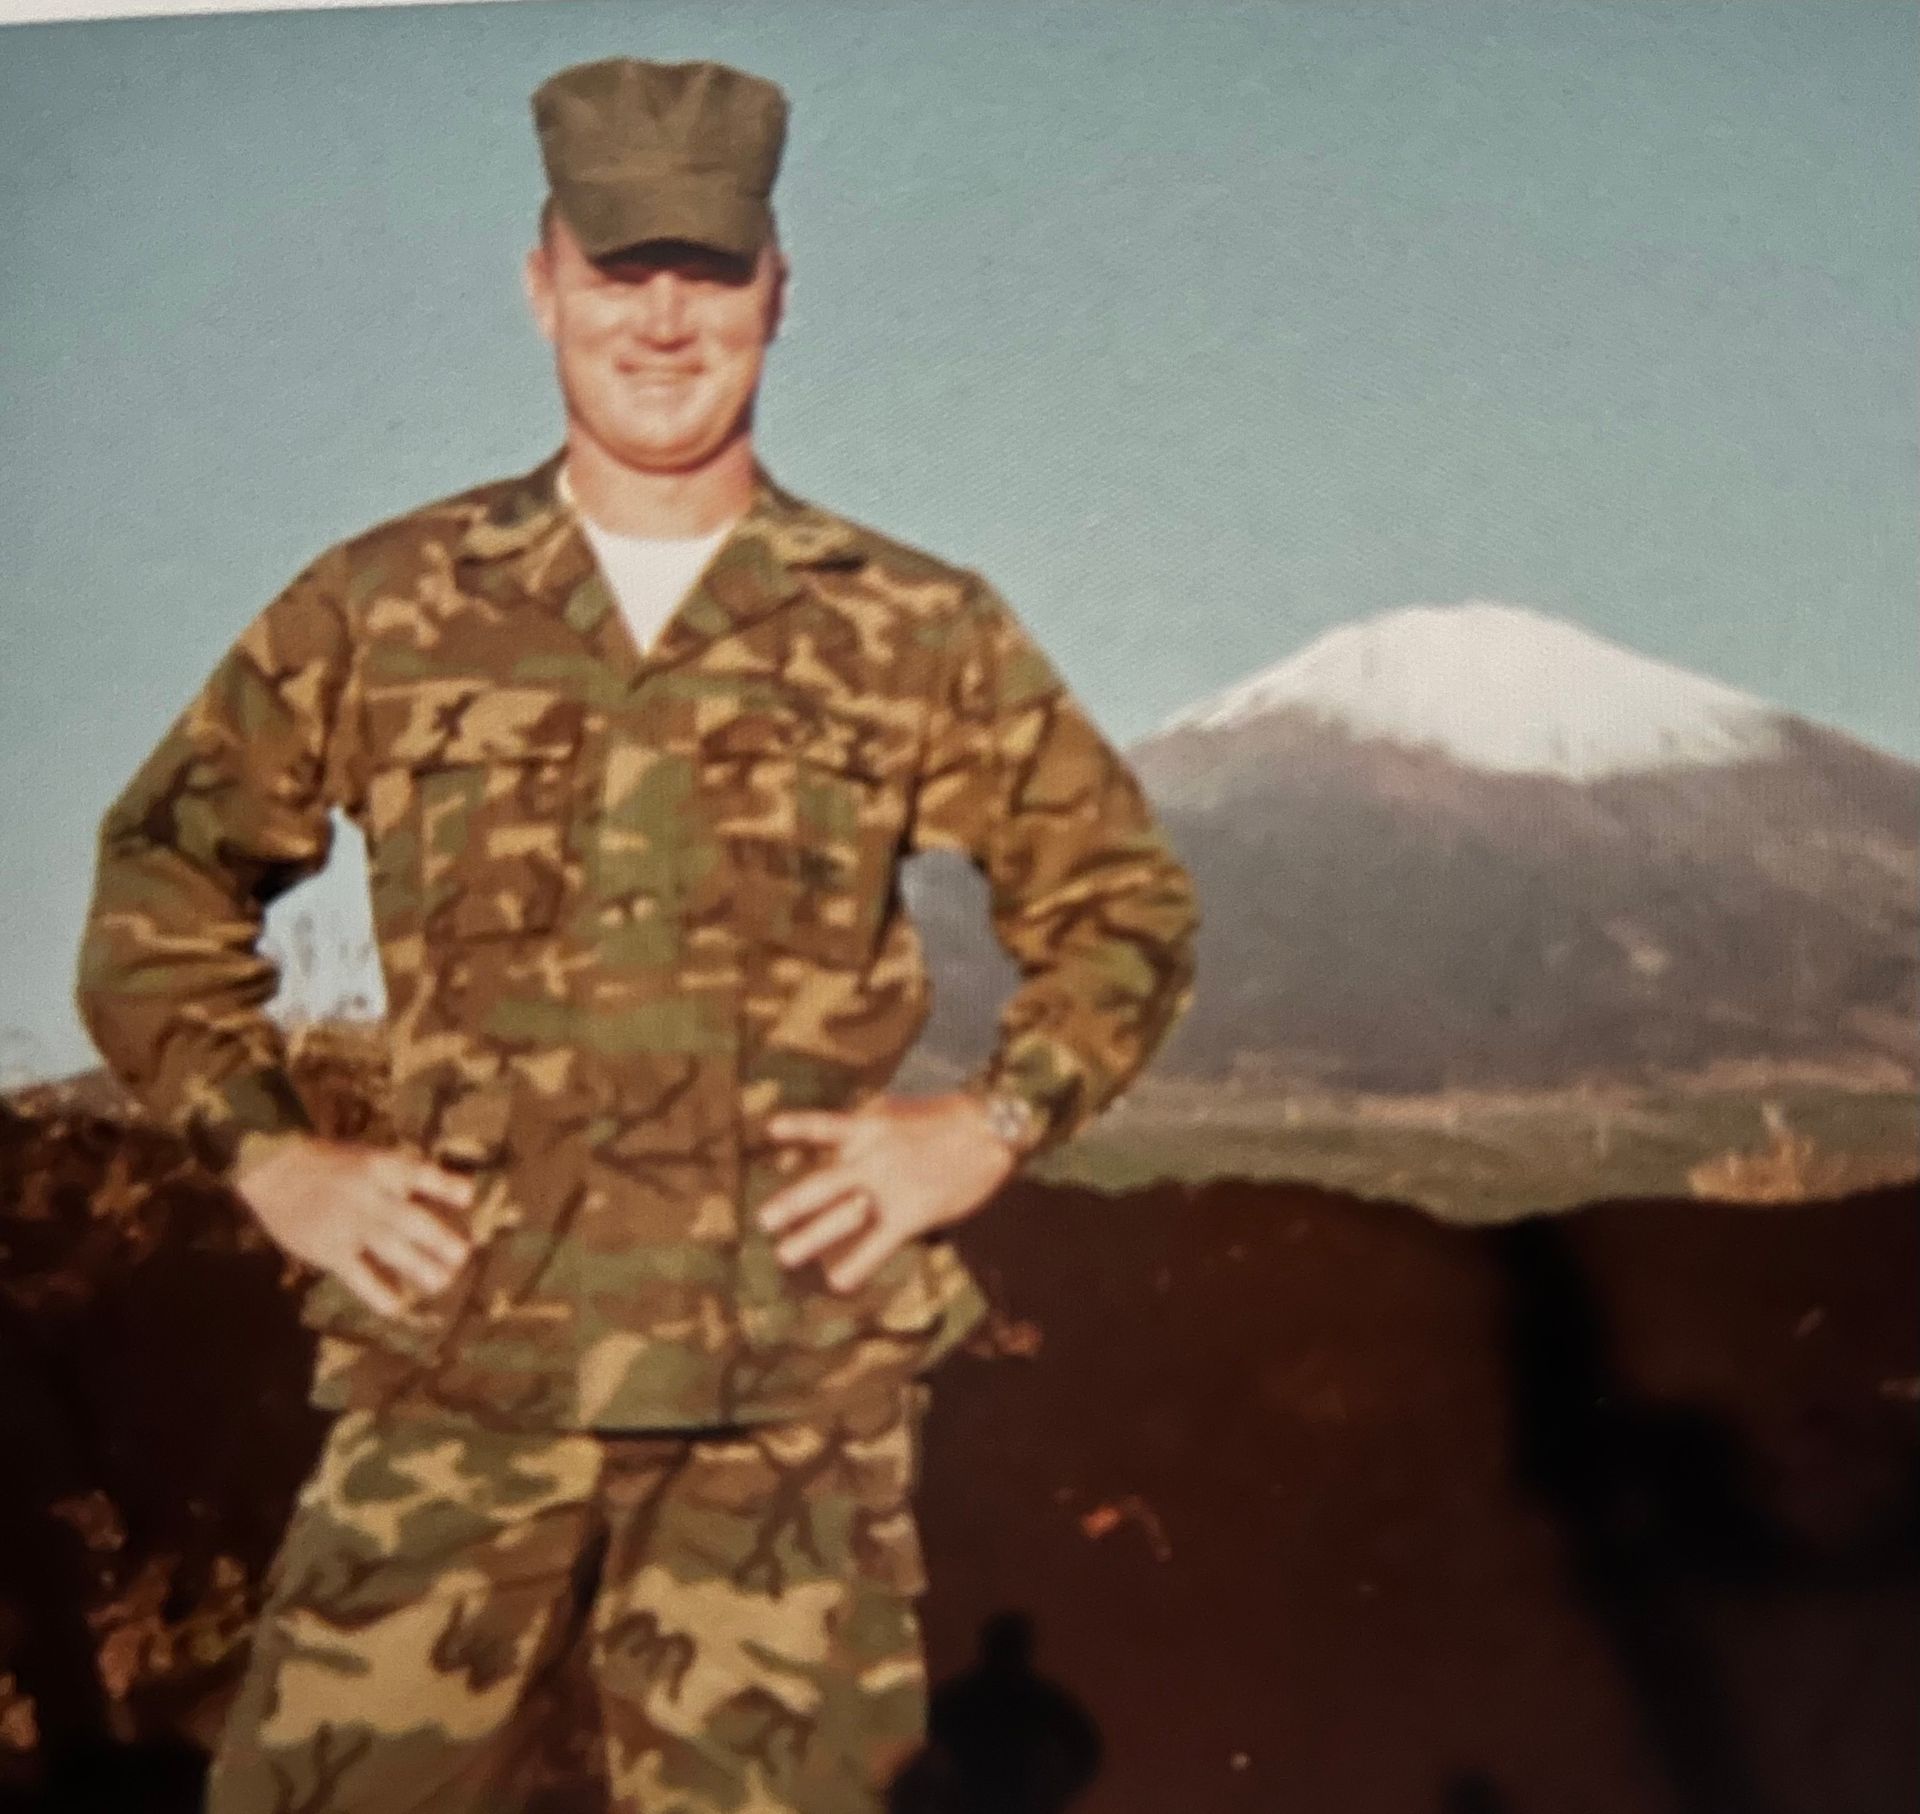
358	1212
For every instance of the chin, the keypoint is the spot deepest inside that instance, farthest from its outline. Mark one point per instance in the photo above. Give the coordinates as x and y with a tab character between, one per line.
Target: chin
658	456
664	447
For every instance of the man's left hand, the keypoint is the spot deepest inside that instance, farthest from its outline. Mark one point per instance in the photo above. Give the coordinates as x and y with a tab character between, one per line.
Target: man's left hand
898	1166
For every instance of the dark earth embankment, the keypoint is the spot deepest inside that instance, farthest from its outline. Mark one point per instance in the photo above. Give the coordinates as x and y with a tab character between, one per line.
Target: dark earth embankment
1303	1503
1610	1512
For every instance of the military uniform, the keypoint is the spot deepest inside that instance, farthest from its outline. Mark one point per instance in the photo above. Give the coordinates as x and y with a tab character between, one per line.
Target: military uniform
628	906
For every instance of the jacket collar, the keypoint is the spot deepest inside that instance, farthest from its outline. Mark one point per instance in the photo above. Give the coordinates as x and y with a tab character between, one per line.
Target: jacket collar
531	536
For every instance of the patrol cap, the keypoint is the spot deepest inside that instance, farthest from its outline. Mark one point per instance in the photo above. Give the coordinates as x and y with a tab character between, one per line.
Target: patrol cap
637	151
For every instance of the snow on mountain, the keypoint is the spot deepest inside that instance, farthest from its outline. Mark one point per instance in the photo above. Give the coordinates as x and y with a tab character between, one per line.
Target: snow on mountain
1500	686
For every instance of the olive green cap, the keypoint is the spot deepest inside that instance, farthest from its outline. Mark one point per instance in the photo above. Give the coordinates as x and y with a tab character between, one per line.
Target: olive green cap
637	151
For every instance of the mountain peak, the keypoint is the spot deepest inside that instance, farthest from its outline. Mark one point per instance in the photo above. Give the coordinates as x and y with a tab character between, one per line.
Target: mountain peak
1502	686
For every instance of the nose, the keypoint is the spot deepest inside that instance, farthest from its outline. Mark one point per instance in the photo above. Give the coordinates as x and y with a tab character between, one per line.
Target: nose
662	315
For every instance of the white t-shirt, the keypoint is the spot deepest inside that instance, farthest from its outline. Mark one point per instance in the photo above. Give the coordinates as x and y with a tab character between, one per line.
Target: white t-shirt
648	574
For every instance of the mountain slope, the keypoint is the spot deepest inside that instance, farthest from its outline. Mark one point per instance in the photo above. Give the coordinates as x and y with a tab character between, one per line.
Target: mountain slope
1479	846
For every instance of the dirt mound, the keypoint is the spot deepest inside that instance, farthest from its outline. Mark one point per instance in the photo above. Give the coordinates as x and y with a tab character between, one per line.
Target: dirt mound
1256	1497
1315	1504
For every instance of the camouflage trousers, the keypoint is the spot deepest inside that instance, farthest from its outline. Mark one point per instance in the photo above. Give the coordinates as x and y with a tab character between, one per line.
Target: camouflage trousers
743	1600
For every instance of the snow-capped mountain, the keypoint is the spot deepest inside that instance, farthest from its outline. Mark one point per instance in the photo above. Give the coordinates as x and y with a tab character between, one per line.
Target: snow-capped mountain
1500	686
1475	844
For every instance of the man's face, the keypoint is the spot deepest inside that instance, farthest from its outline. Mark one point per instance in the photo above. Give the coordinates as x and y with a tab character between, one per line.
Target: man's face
658	348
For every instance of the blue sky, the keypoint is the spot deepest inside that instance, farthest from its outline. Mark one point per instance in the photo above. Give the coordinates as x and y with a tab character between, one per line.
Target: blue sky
1198	329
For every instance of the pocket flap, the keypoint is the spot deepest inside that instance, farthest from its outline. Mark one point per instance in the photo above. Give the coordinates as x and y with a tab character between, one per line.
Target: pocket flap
450	723
753	733
828	740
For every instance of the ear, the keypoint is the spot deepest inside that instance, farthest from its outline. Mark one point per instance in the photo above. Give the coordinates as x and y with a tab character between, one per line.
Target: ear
777	296
536	275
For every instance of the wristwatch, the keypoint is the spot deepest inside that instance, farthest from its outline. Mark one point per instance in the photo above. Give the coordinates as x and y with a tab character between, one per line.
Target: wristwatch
1013	1118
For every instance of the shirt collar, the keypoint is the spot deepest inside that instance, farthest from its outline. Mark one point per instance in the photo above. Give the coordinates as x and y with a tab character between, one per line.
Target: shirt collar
535	509
533	541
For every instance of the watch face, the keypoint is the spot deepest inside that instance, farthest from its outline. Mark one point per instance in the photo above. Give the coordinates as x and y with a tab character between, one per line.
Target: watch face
1012	1119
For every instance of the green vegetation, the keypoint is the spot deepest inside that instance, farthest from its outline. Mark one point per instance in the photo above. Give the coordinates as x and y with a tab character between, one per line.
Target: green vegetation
1491	1158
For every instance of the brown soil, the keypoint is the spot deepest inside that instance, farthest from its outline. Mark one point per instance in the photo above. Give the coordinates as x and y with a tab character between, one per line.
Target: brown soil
1318	1505
1303	1503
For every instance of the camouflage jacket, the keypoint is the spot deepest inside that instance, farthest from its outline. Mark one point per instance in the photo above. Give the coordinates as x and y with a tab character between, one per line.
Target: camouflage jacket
627	906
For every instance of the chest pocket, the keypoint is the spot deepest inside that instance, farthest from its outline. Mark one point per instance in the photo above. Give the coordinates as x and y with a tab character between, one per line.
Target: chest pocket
807	823
479	787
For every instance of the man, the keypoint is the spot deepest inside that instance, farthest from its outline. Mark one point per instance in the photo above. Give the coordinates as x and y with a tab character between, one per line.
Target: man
628	1332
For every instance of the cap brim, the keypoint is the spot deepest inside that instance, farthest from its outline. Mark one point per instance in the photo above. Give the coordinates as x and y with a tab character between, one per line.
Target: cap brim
608	218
